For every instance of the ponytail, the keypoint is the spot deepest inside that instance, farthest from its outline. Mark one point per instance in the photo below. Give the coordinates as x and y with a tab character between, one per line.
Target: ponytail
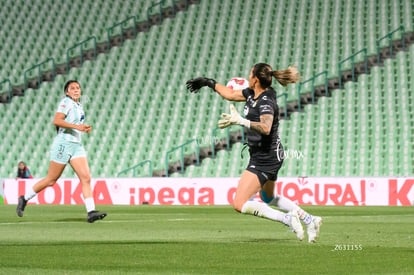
287	76
265	73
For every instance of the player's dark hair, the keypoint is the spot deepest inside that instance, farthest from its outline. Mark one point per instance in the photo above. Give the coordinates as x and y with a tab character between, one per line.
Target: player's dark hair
264	73
65	88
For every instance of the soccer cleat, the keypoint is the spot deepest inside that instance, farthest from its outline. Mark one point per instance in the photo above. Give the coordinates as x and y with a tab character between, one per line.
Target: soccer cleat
295	224
313	228
21	204
95	215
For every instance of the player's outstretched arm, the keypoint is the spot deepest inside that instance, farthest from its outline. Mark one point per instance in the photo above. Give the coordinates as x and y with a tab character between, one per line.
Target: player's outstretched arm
194	85
229	94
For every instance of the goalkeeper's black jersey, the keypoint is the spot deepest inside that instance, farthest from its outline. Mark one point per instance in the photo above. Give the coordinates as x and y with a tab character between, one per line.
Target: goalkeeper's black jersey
266	103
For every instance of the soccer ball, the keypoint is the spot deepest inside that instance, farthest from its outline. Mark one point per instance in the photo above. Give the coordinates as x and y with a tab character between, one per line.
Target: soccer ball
238	83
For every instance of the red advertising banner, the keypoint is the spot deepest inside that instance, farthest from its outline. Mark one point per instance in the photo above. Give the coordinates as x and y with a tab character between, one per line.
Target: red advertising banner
218	191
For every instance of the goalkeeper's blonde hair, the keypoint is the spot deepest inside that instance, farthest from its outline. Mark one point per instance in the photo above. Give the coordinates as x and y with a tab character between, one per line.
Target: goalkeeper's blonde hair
264	73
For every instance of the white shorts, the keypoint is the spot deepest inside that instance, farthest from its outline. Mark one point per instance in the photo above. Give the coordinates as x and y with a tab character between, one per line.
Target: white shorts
63	151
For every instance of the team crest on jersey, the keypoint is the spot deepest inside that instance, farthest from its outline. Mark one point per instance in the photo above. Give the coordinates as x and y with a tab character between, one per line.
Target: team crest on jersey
251	101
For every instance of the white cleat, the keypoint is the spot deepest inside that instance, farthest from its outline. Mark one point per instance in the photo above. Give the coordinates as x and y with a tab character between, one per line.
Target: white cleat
313	228
295	224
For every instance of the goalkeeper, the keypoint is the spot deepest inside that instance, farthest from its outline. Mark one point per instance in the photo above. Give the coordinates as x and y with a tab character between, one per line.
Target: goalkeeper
266	152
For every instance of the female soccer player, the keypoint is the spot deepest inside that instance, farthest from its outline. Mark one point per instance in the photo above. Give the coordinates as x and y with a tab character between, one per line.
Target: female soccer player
67	148
266	152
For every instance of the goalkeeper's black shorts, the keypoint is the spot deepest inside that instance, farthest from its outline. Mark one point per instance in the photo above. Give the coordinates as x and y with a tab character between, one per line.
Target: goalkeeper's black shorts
265	163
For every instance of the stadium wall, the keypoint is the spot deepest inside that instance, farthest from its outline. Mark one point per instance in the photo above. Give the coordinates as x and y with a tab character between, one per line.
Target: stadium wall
357	191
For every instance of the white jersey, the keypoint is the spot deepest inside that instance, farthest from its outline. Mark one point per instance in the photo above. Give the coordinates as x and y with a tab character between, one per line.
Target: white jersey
73	114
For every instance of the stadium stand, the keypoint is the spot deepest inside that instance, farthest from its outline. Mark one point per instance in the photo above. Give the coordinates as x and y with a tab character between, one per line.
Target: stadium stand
42	29
137	86
363	129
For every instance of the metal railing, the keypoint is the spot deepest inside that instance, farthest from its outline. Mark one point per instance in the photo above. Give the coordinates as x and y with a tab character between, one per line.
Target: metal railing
39	71
9	91
136	167
284	95
312	81
181	159
123	26
352	59
214	140
150	12
81	45
389	37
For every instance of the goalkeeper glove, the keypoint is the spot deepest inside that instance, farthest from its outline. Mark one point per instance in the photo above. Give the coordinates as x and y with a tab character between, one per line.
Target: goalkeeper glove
195	84
233	118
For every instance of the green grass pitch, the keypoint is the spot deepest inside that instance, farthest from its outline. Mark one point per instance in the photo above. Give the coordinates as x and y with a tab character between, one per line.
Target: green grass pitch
55	239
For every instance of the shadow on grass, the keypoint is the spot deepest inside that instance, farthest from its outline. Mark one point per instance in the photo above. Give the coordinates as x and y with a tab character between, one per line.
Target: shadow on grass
266	240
